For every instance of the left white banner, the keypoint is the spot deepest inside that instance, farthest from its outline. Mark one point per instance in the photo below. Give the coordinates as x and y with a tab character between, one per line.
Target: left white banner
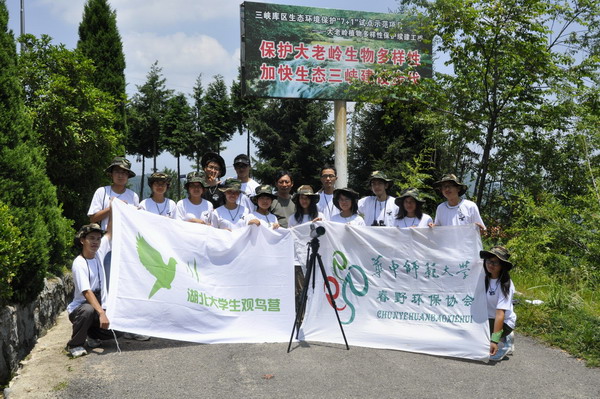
190	282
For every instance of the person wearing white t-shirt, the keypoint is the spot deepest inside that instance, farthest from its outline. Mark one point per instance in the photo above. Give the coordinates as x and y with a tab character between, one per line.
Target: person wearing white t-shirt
346	200
194	209
241	164
231	215
455	211
305	201
328	179
499	292
410	210
87	309
263	199
120	172
378	209
157	203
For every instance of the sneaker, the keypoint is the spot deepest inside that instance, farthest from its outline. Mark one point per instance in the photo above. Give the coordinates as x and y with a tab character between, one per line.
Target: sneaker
510	340
503	349
93	342
77	351
137	337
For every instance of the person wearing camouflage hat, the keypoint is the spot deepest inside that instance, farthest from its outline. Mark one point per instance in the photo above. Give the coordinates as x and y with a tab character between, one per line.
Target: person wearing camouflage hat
230	215
263	199
499	291
346	200
119	171
87	309
157	203
306	201
378	209
410	210
455	211
194	208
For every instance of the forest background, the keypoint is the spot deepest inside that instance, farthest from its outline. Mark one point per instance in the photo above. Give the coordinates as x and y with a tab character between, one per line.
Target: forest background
515	115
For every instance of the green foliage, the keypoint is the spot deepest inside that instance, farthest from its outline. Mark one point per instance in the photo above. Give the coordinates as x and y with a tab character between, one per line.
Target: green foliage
386	137
292	135
197	142
145	114
100	41
72	118
11	252
216	115
558	240
26	190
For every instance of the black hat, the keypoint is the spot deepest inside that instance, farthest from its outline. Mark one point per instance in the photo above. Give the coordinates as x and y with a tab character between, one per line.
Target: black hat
242	158
501	253
214	157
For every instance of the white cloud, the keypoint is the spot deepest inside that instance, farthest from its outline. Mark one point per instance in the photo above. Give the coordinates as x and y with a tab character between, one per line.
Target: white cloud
136	14
182	57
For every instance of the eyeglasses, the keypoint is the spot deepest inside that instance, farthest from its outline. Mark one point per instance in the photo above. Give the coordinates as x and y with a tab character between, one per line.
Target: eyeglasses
493	262
328	176
214	168
240	165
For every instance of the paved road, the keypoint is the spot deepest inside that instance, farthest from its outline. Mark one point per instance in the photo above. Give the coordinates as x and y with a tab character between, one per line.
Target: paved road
169	369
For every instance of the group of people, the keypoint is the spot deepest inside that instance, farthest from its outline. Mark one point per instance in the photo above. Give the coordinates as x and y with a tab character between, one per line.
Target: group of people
240	201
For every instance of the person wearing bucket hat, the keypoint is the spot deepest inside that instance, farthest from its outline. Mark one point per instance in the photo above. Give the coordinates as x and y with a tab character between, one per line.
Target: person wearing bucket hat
378	209
306	202
119	171
157	203
328	178
455	211
346	200
500	291
263	199
410	210
87	309
231	215
213	166
194	208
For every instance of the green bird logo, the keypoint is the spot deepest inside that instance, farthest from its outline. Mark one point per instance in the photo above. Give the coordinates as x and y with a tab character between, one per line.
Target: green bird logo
153	262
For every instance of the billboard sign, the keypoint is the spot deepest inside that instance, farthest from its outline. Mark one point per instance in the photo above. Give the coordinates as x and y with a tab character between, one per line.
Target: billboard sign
317	53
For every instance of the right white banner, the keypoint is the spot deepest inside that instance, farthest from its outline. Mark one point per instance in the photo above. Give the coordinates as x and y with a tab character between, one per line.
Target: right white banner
417	290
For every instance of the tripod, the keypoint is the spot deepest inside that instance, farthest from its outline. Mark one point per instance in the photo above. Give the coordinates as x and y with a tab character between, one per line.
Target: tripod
311	265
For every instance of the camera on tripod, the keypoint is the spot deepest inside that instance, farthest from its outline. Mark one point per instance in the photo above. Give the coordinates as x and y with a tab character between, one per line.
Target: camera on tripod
316	231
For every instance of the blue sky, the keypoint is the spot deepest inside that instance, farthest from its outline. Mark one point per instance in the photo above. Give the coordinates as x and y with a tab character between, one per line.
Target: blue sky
186	37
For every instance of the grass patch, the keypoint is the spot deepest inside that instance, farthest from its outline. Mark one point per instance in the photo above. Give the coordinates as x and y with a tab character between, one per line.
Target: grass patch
568	319
61	386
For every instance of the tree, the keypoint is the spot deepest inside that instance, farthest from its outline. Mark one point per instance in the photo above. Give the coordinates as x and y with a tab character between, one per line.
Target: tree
73	119
196	142
177	127
384	139
145	114
216	117
26	190
100	41
293	135
243	108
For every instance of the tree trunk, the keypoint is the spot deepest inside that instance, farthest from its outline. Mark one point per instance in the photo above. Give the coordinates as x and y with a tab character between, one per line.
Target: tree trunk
178	178
485	161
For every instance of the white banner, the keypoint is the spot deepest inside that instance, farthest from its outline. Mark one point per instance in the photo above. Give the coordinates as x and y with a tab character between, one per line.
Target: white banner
190	282
418	290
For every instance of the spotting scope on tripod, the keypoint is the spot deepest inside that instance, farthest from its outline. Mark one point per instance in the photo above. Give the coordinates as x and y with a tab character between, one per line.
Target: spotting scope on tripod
312	257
